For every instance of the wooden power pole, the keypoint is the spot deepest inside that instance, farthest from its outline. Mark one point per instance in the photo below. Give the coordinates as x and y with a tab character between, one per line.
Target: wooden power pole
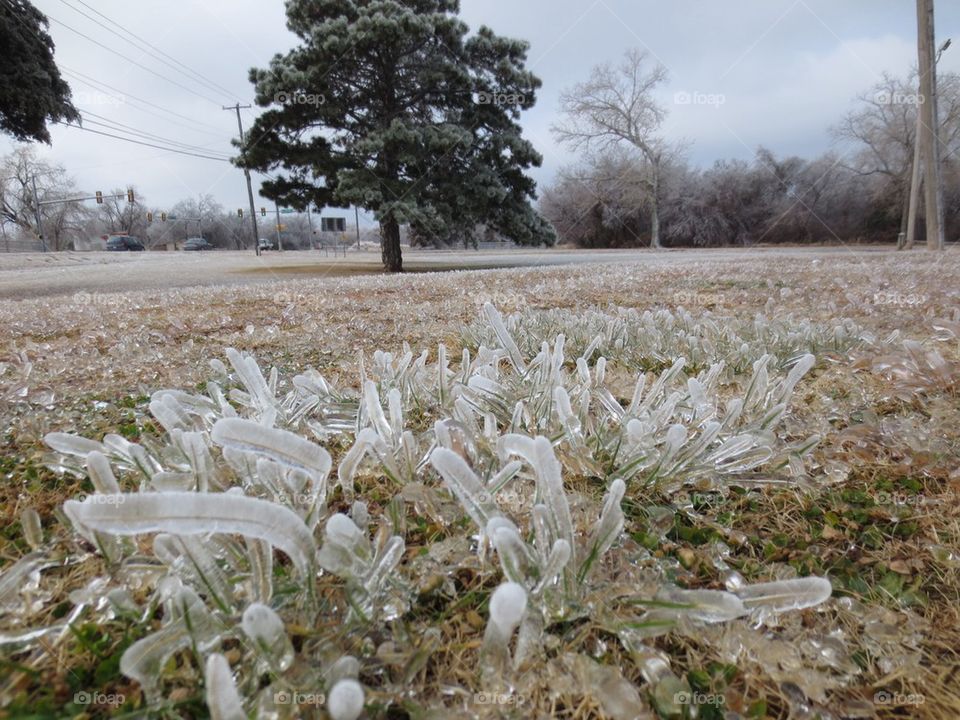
914	186
253	210
929	137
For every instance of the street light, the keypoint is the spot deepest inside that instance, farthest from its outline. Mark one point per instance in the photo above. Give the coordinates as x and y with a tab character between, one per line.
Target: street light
943	48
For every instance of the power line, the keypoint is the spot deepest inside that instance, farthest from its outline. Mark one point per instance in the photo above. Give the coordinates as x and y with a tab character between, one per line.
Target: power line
118	137
138	142
212	84
134	62
135	129
120	127
125	97
187	71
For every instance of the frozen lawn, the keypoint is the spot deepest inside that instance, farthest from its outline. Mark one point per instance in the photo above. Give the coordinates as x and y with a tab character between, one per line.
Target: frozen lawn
35	275
877	514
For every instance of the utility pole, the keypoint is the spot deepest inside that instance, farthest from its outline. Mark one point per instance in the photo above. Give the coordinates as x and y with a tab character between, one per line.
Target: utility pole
356	211
310	224
279	237
914	185
917	163
253	210
929	139
36	207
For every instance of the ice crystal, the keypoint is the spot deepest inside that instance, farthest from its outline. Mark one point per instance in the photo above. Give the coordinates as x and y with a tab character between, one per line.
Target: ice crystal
236	492
346	700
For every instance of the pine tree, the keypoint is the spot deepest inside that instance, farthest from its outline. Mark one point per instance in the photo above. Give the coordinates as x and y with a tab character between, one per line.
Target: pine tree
392	107
32	93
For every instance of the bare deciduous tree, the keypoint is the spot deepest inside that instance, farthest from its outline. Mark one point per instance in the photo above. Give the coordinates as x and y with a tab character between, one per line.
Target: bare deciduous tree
120	216
617	107
61	221
882	134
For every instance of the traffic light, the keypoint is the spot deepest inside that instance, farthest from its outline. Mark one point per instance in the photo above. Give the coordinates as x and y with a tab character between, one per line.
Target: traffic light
163	217
130	195
240	213
263	211
99	198
149	217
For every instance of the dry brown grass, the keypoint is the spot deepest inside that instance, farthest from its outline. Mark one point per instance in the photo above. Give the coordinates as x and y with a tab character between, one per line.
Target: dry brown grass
93	365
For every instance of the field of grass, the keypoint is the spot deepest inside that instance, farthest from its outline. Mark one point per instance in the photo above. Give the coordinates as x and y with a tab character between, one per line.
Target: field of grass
873	507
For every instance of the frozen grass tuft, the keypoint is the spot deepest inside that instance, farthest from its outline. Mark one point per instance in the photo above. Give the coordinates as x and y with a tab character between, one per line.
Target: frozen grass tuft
246	545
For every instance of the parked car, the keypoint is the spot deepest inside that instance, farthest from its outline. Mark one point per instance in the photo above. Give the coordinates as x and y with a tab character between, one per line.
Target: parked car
196	244
121	243
267	244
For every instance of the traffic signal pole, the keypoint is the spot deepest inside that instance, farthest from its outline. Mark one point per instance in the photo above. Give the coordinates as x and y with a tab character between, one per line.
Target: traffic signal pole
253	210
37	203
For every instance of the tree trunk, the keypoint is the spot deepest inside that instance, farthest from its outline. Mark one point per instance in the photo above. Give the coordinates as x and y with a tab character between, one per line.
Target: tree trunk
655	210
390	244
904	216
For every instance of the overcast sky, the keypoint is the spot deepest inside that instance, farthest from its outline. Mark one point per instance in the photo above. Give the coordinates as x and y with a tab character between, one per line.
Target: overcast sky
776	73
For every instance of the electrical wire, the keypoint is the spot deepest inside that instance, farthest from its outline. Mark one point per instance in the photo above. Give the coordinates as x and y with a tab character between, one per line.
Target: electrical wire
156	138
134	62
146	144
126	97
156	53
119	126
145	42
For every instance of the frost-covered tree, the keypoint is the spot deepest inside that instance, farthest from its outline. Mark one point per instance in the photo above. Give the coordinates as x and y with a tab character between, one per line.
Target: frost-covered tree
32	93
61	221
617	107
119	216
194	217
880	134
394	107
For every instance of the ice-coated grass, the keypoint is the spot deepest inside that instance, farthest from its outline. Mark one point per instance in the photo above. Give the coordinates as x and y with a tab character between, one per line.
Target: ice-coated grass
233	470
701	575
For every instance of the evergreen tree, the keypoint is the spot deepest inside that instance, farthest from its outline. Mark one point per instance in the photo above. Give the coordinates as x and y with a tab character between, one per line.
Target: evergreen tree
390	106
32	93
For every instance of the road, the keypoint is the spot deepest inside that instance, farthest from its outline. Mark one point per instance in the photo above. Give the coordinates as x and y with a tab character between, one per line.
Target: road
32	275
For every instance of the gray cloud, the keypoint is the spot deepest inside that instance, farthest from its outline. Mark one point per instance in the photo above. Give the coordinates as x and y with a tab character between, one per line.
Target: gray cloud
785	70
